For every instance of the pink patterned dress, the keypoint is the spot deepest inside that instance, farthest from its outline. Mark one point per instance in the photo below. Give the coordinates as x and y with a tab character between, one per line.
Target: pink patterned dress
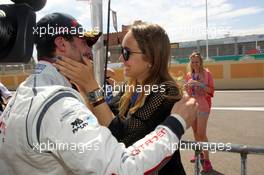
203	98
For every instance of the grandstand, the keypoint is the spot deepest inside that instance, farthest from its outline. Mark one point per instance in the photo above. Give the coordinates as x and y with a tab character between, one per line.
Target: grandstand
229	48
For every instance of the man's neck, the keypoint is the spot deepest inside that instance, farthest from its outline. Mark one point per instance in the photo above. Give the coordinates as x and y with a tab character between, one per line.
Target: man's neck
48	59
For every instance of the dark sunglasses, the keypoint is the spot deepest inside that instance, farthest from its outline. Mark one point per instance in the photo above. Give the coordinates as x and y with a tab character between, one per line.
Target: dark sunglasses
126	52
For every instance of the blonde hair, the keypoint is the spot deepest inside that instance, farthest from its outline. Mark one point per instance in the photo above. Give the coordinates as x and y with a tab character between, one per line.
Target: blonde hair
195	55
154	43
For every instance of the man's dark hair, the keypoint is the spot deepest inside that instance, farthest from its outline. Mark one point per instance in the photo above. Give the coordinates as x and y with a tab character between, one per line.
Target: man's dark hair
66	24
47	48
55	25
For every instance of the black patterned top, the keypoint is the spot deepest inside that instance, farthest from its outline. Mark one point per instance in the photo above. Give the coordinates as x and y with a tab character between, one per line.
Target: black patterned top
156	108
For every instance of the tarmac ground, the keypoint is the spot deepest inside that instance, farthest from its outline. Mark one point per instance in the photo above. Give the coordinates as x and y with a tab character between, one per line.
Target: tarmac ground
237	117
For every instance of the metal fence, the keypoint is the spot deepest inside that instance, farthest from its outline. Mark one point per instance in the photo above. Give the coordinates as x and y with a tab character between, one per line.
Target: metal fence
243	150
15	68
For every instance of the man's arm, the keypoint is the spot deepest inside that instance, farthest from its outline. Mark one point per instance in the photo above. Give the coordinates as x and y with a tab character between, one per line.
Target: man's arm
92	148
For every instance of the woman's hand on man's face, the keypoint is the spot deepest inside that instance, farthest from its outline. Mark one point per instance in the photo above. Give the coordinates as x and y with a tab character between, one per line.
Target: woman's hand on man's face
80	74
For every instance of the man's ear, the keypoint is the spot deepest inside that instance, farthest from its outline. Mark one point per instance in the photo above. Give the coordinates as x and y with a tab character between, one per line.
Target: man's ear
60	44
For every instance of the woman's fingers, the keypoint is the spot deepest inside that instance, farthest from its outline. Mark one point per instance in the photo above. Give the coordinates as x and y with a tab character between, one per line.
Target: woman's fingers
87	61
66	72
72	65
62	64
79	73
70	61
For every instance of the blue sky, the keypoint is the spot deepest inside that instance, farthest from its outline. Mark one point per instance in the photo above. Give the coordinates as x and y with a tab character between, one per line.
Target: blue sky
184	20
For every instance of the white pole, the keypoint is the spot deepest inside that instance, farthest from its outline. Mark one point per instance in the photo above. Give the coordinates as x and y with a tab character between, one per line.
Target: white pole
98	48
207	53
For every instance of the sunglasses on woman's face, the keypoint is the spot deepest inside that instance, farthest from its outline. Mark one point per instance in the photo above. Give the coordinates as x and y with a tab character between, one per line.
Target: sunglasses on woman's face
126	52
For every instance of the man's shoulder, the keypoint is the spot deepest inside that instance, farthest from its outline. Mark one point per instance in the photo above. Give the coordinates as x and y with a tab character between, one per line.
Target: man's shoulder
44	97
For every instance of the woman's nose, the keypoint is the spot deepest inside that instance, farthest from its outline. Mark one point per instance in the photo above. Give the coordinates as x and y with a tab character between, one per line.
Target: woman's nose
121	58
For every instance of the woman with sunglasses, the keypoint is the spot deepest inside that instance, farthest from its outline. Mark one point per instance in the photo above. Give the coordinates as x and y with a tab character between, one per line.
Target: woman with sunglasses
145	55
200	85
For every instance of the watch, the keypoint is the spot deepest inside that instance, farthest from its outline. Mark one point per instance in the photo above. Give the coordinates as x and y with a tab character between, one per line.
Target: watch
95	95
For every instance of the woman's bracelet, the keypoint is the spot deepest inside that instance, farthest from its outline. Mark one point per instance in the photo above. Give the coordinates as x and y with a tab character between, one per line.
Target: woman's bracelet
95	95
100	101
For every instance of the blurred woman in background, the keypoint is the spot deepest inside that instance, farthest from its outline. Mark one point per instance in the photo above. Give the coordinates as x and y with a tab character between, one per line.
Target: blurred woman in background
200	85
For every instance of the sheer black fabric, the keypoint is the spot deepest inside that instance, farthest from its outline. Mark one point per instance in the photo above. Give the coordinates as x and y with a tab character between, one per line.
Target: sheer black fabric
134	127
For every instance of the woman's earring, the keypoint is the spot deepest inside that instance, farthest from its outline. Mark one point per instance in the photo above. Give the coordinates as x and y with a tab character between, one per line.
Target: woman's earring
149	65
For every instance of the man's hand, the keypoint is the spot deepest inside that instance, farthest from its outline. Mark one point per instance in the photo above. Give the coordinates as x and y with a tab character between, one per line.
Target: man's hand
187	109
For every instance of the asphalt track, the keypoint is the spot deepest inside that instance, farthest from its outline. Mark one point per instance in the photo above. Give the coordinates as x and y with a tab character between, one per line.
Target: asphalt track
237	117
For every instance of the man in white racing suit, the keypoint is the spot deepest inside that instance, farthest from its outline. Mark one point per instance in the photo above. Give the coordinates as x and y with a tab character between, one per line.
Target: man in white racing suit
47	129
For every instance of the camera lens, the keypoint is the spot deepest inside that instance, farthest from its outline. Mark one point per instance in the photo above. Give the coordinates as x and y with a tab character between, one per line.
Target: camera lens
7	34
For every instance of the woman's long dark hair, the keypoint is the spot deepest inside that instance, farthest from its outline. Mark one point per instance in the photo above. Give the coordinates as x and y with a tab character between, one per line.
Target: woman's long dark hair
154	43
